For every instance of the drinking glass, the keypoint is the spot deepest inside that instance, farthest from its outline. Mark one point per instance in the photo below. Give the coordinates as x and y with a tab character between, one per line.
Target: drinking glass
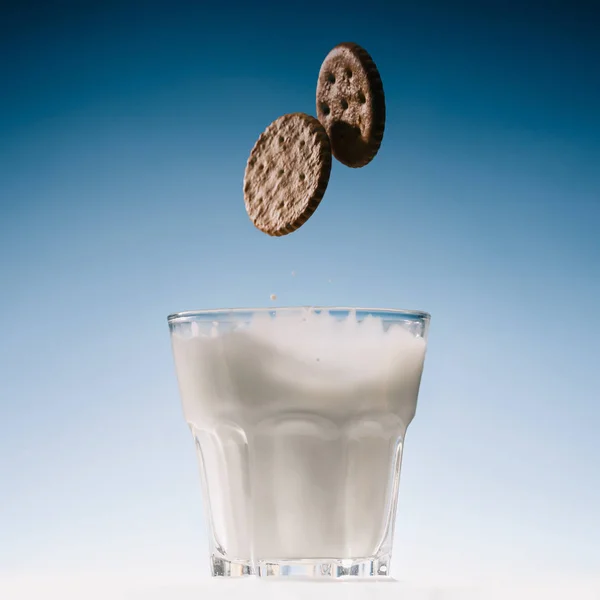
299	417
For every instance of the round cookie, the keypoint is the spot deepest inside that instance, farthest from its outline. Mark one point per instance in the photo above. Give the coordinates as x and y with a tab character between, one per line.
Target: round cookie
287	174
351	104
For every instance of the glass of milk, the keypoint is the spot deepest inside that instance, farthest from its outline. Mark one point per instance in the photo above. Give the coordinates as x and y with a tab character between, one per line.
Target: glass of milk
299	417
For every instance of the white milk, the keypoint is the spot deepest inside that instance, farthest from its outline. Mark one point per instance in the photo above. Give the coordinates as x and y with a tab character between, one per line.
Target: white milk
299	422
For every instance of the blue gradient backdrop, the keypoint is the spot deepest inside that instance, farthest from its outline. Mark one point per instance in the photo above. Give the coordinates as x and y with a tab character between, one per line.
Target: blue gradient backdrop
124	131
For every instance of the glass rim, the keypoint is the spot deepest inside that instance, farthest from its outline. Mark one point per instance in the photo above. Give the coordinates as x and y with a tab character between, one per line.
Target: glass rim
188	315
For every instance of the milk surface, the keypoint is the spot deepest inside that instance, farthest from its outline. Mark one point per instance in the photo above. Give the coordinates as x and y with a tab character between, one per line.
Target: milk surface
299	422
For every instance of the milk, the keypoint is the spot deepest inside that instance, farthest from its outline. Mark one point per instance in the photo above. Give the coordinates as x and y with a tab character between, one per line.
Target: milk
299	422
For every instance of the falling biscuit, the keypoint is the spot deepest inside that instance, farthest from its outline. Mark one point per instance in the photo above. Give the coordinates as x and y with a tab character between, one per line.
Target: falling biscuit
287	174
351	104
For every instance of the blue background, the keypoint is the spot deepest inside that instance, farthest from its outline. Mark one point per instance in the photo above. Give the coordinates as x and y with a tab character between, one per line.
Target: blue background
124	132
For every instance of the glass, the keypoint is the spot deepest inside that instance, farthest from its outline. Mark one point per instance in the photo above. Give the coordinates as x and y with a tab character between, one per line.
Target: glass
299	417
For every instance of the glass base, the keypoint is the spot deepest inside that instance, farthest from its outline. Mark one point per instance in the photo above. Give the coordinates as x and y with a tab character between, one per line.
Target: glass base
303	569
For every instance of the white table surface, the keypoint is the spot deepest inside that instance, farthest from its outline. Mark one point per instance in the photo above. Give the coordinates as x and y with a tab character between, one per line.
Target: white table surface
98	587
